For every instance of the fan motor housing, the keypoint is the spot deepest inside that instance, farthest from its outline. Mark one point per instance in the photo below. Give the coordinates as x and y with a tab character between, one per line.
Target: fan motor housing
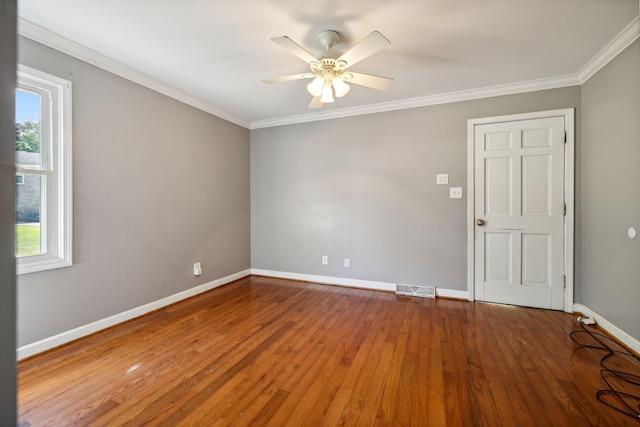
328	38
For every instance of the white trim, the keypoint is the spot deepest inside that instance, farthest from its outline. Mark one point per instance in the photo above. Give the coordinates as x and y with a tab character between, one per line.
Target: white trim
58	211
471	289
452	293
55	41
612	329
327	280
610	51
569	199
82	331
569	120
445	98
351	283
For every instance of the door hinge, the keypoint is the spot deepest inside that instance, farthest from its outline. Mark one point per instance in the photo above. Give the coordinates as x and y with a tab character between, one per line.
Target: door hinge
565	136
564	209
564	280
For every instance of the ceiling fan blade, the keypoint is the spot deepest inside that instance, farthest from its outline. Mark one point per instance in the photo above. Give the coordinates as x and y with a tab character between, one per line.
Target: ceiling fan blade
294	48
289	78
315	103
374	82
371	44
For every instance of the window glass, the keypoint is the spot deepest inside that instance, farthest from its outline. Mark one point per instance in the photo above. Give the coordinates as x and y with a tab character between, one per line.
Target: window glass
29	187
28	132
43	172
28	215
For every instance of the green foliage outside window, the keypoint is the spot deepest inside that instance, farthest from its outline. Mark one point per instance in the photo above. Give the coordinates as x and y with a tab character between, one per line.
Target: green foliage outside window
28	136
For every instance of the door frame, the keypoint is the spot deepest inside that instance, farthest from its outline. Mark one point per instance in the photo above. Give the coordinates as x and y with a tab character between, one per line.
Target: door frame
569	187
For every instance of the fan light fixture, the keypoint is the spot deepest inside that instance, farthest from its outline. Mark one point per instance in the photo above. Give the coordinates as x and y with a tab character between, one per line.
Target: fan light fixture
327	93
315	87
329	75
340	87
326	87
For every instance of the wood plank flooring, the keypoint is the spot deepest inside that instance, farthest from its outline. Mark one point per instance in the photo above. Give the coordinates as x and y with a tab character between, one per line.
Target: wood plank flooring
269	352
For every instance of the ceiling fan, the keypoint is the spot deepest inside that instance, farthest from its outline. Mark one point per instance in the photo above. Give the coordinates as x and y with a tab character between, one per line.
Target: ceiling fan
330	76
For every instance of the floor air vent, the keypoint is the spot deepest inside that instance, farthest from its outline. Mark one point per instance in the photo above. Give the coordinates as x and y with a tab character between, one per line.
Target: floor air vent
416	291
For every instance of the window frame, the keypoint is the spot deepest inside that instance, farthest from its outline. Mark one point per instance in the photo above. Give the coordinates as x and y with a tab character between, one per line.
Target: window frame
56	166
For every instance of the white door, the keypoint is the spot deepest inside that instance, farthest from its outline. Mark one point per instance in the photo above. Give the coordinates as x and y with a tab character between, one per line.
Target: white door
519	212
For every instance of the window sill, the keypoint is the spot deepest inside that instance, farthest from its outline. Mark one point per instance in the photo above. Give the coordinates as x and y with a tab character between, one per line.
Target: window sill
25	265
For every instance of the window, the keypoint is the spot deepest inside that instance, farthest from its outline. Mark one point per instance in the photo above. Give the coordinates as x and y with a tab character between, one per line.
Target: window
43	171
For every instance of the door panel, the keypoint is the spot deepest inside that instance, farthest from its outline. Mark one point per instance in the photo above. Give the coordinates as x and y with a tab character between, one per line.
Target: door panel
498	248
519	189
532	138
498	186
536	178
498	141
535	259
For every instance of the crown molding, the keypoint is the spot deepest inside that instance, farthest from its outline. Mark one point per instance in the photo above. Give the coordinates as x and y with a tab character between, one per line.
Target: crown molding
610	51
55	41
602	58
446	98
64	45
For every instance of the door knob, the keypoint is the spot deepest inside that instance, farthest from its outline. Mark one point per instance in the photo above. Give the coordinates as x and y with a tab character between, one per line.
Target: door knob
480	222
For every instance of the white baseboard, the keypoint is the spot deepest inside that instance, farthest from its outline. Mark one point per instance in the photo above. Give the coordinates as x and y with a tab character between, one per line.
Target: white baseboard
612	329
352	283
452	293
82	331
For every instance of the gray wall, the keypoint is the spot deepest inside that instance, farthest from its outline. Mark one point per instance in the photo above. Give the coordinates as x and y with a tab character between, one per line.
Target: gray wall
611	191
158	185
7	227
364	188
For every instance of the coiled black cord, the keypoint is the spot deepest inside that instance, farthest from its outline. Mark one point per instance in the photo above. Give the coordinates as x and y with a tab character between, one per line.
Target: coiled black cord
629	404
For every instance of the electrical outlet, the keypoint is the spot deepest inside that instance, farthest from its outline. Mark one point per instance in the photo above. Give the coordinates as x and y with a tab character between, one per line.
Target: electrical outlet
346	262
325	260
197	269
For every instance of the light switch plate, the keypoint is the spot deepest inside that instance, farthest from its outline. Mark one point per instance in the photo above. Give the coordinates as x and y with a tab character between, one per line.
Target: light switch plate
442	178
455	193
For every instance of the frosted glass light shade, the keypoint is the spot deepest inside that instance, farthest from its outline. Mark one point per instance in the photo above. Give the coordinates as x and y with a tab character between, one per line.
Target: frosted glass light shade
315	87
340	87
327	94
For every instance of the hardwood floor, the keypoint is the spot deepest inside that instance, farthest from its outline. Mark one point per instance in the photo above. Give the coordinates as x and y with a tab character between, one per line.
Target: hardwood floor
269	352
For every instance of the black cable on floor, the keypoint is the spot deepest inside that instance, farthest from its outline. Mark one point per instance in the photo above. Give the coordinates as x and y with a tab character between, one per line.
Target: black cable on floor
627	405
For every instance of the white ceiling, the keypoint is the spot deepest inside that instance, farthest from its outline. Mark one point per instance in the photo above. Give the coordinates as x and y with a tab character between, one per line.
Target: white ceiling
214	53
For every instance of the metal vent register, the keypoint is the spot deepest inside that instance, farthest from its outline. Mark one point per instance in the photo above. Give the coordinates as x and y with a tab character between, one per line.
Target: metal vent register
416	291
